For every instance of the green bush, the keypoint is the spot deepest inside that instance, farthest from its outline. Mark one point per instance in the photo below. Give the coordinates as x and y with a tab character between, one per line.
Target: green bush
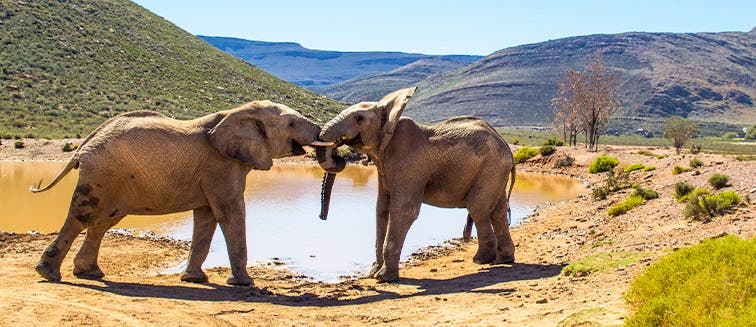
696	192
634	167
554	141
682	189
718	181
625	206
649	168
677	170
647	153
706	206
695	149
710	284
18	144
602	163
68	147
695	163
524	153
661	156
546	150
600	192
646	194
515	142
729	135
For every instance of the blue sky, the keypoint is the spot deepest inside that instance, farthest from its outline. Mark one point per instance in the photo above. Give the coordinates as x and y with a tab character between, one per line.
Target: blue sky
443	26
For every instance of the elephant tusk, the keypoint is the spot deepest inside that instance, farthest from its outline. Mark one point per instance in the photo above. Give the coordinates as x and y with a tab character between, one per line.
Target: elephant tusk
322	143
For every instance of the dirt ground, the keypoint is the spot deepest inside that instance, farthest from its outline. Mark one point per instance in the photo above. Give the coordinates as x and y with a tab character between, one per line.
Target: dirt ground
440	286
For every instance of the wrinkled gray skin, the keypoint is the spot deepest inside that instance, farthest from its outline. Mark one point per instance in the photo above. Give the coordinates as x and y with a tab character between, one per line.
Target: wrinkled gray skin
460	163
144	163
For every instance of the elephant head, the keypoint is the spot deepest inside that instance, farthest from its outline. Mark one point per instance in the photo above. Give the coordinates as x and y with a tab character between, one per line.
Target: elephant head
367	127
259	131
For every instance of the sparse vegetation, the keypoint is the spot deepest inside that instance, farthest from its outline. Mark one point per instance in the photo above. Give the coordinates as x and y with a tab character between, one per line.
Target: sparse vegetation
699	191
718	181
524	153
677	170
18	144
695	163
546	150
706	206
634	167
601	262
710	284
602	163
647	153
646	194
682	189
554	142
729	135
625	206
68	147
567	161
600	192
649	168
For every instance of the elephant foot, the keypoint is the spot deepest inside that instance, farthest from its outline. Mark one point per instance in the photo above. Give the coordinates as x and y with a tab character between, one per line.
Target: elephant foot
483	257
48	272
92	272
504	259
374	269
194	277
384	275
244	280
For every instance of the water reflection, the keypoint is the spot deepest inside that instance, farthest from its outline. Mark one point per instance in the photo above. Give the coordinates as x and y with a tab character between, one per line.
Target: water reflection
282	209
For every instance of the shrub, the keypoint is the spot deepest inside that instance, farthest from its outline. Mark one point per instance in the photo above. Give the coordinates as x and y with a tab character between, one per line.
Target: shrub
19	144
677	170
682	189
661	156
647	153
695	163
695	149
546	150
646	194
625	206
68	147
602	163
554	142
696	192
729	135
515	142
634	167
600	192
706	206
710	284
617	182
649	168
524	153
718	181
564	162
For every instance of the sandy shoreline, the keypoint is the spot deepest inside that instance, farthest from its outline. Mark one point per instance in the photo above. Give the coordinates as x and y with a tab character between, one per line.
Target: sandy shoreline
440	286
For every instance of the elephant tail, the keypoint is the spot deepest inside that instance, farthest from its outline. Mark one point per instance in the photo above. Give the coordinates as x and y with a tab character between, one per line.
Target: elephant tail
72	164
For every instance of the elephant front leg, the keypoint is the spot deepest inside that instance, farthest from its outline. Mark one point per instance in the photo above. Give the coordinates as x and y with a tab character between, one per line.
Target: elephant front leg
235	233
399	222
202	236
381	223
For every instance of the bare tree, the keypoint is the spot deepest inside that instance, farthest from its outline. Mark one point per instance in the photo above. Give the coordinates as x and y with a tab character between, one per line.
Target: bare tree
585	102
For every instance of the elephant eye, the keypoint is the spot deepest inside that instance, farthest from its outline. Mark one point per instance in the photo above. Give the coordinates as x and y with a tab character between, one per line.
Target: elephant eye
291	124
359	119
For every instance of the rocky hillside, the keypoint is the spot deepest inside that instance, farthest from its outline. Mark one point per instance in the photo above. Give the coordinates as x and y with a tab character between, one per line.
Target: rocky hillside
703	76
66	66
307	67
373	86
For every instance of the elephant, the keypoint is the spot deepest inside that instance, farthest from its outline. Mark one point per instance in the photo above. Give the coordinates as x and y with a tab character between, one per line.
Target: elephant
460	163
145	163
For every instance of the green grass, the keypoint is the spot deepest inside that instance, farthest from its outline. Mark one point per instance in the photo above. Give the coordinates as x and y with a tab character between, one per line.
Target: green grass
718	181
625	206
695	163
524	153
649	168
634	167
677	170
66	66
710	284
602	163
602	262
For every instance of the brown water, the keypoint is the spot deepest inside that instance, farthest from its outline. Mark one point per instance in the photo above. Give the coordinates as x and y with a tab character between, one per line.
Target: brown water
282	209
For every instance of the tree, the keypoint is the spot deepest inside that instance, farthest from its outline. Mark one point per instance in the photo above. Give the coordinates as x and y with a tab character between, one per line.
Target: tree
751	133
585	102
679	130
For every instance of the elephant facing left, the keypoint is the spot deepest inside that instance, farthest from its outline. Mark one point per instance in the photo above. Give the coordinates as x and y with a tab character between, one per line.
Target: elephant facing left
144	163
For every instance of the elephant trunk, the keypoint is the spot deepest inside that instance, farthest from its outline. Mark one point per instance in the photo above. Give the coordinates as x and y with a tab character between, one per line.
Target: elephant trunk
332	164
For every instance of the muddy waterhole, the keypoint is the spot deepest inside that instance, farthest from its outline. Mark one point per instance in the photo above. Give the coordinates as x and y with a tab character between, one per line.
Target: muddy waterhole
282	215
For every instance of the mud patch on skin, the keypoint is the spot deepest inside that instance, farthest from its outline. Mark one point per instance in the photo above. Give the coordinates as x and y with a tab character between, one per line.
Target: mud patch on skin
51	251
84	218
90	202
83	189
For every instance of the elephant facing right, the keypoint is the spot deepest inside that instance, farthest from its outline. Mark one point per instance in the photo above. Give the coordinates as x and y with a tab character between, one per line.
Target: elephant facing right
460	163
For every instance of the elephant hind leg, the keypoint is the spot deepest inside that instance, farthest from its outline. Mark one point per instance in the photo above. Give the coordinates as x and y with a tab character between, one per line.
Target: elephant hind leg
505	247
481	215
85	262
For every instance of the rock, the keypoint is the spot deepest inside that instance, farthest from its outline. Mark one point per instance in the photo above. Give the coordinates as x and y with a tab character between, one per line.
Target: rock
434	270
542	301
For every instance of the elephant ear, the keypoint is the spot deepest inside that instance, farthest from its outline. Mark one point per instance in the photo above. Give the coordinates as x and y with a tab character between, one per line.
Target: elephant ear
241	136
393	105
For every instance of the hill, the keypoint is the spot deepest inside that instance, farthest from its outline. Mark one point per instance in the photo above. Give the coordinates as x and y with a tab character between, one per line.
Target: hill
709	77
307	67
373	86
67	66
